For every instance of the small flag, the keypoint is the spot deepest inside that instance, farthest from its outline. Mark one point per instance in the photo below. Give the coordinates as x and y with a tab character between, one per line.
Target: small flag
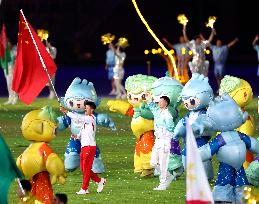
5	54
197	186
3	41
8	170
29	76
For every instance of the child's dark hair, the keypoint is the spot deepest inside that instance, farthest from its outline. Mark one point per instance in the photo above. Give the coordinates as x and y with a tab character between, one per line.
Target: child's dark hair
91	104
166	99
62	197
26	184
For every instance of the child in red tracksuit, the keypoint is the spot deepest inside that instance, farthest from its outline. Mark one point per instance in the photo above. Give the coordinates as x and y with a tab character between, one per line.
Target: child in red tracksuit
88	148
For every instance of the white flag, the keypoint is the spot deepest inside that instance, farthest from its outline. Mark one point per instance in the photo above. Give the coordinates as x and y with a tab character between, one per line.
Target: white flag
197	185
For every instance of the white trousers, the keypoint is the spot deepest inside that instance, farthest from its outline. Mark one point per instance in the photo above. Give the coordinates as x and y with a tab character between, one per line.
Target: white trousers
120	90
160	158
9	78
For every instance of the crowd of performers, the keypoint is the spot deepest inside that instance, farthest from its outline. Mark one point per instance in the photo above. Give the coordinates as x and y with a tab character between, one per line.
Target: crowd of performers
220	124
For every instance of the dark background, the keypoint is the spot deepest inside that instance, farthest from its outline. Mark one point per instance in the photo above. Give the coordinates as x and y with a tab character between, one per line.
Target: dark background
75	28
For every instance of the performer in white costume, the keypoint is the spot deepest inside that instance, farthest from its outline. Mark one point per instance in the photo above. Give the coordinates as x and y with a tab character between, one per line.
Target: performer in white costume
53	53
118	69
12	96
197	46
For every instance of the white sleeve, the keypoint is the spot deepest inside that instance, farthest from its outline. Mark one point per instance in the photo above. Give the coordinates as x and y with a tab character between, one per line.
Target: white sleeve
72	115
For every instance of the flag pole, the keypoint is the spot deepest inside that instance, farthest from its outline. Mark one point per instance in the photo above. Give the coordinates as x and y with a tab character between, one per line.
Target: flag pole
20	186
41	59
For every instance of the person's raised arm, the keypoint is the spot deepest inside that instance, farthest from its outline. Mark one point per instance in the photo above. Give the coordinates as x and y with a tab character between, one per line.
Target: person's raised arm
213	32
255	40
233	42
185	35
171	46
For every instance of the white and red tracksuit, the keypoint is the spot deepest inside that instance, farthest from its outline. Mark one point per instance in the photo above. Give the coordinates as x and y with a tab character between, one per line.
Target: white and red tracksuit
88	149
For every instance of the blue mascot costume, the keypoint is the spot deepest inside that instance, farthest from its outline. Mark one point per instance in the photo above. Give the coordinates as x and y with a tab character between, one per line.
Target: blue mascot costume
196	95
76	95
224	115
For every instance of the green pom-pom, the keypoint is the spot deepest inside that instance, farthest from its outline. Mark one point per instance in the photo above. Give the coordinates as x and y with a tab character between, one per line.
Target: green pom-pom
228	84
139	83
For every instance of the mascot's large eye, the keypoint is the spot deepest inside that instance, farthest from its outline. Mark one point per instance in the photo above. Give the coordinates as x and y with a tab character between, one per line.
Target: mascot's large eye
192	101
129	96
71	103
143	97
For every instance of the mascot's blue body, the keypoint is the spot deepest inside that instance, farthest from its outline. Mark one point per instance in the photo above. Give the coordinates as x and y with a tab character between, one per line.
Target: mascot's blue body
76	95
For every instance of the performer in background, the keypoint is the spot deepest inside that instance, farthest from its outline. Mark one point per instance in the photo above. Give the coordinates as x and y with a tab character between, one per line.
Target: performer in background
8	66
199	63
182	56
110	63
256	47
53	53
118	69
220	54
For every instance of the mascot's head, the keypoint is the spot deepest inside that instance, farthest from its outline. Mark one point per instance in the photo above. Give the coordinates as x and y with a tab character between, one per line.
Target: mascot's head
167	86
197	93
239	89
39	125
78	93
139	88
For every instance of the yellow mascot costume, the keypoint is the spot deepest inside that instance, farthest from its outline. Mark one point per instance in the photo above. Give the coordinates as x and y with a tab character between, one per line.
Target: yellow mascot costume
138	90
39	160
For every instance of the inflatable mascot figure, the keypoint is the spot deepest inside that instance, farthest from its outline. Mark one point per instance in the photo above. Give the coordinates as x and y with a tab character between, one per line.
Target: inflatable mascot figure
39	161
241	91
224	115
76	95
167	86
196	95
138	90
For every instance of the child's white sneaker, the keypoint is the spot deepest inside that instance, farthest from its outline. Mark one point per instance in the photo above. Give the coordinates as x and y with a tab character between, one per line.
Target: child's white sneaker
161	187
82	192
169	180
101	185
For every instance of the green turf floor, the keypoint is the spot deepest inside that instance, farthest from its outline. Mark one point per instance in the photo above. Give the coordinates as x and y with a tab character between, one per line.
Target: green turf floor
117	149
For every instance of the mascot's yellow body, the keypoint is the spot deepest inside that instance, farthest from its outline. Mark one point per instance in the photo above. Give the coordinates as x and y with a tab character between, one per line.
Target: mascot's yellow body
39	160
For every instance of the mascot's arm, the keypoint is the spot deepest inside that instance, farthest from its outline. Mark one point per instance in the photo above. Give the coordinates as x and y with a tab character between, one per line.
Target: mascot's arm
120	106
180	129
144	112
54	164
200	125
63	122
208	150
105	120
251	143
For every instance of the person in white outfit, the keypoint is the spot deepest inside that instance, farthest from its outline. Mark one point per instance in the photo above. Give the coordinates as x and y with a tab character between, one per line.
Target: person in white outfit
197	46
118	71
12	96
164	125
53	53
88	147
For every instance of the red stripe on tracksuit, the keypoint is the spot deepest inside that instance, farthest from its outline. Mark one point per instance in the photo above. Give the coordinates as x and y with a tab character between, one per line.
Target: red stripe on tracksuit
86	161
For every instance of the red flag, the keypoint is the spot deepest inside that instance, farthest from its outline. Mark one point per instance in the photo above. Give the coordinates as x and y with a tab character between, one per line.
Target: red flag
29	76
3	42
